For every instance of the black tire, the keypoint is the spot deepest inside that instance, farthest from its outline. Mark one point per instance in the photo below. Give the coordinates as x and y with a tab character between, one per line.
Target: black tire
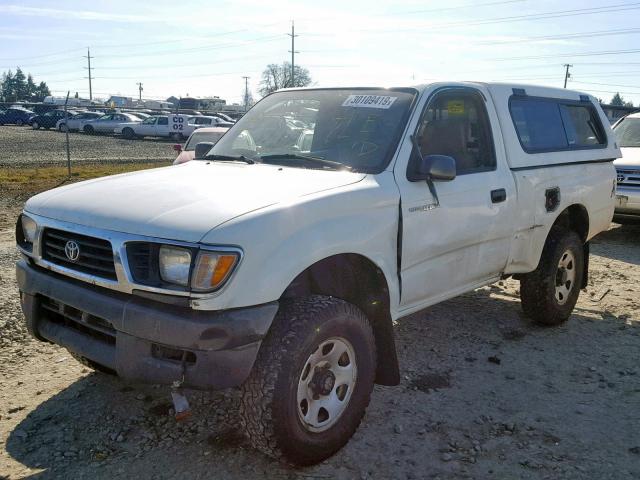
88	129
92	365
269	406
175	137
35	125
538	288
62	127
19	122
128	133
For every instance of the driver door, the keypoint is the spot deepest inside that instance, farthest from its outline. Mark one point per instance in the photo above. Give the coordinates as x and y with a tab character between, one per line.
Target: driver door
461	239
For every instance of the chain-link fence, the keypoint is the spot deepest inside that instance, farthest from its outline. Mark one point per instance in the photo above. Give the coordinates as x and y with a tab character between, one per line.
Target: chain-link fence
39	134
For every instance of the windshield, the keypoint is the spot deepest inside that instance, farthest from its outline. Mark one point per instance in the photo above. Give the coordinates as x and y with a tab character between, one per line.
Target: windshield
628	132
357	129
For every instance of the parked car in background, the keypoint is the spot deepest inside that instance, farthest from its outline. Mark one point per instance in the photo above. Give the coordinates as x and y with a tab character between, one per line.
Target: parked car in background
74	122
627	132
209	121
50	119
107	123
15	116
201	135
224	117
153	126
141	115
174	126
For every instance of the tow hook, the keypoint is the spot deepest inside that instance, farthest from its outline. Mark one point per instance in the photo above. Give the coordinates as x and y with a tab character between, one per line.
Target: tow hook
180	402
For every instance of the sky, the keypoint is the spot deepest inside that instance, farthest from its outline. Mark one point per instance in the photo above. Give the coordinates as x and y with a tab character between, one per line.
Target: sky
204	48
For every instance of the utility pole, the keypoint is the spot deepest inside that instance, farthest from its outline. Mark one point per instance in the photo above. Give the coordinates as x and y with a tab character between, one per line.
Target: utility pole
89	57
246	93
567	75
139	90
293	53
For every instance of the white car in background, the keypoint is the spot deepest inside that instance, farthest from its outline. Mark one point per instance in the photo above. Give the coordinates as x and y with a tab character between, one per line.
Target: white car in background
627	132
75	121
107	123
209	121
205	134
174	126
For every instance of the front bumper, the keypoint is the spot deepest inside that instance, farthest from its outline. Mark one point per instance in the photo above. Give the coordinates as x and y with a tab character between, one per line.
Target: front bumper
141	339
627	201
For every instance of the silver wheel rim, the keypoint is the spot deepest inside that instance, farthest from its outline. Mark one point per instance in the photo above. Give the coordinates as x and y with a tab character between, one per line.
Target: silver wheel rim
565	277
326	383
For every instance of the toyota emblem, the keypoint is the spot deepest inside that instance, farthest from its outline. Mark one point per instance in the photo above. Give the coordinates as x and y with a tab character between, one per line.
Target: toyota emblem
72	250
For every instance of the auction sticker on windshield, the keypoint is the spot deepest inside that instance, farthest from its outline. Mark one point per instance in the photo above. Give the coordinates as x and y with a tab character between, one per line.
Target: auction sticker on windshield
369	101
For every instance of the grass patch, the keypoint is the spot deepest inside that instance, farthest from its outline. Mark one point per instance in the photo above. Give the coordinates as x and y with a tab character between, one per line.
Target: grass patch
28	181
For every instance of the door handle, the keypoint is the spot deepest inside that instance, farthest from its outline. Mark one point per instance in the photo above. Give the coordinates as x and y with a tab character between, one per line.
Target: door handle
499	195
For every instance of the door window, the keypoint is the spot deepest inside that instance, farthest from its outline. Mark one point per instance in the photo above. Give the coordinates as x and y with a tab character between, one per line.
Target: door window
456	124
149	121
163	121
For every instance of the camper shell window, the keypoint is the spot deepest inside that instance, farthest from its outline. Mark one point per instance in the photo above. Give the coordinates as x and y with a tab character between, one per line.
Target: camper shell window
551	125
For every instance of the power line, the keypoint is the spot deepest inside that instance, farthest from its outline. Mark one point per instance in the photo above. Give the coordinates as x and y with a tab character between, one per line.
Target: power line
520	18
565	55
598	33
10	59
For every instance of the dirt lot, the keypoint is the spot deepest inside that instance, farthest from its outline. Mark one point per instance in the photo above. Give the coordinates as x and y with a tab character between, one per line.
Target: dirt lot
484	394
48	147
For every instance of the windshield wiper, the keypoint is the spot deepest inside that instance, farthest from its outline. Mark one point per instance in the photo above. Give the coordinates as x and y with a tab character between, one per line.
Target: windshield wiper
234	158
312	159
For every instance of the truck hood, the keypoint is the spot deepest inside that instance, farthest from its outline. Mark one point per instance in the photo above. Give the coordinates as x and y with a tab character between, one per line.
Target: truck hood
182	202
630	157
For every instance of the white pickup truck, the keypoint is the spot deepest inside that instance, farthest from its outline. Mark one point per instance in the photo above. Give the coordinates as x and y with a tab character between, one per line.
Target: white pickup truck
282	270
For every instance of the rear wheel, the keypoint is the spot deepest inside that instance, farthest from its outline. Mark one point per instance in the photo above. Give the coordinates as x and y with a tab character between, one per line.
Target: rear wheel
311	382
88	129
19	122
176	137
550	292
35	125
128	133
62	127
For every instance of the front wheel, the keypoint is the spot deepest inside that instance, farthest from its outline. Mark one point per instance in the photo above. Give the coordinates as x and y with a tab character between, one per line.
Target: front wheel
128	133
550	292
19	122
35	125
62	127
88	129
311	382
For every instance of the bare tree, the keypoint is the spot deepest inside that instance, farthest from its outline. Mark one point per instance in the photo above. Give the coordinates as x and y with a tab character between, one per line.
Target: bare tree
275	77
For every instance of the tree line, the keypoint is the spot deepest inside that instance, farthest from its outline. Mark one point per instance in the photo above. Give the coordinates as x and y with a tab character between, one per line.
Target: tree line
16	87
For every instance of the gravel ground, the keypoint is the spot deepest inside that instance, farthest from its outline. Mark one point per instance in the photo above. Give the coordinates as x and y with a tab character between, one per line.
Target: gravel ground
23	146
484	394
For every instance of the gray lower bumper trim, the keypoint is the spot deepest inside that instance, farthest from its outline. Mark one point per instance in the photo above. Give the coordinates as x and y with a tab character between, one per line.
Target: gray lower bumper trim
225	343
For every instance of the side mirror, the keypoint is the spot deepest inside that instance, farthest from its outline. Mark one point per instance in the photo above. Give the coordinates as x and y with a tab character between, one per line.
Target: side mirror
202	149
178	147
438	167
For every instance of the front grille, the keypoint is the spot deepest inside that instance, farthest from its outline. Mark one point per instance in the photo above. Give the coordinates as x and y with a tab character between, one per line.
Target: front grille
628	177
95	255
83	322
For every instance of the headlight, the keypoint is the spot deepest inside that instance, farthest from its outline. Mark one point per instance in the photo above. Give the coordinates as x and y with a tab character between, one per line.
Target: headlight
28	228
174	264
212	269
